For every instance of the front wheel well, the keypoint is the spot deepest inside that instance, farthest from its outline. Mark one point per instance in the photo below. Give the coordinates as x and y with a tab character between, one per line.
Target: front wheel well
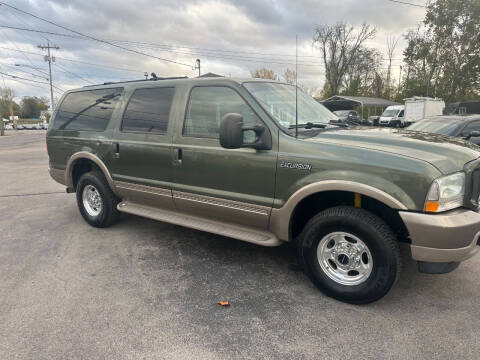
313	204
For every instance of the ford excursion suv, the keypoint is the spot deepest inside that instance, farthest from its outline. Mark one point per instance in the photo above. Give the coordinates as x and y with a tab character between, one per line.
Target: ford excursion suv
239	158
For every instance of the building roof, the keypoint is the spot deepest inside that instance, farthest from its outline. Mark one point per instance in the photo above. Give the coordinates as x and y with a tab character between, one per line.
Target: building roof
343	102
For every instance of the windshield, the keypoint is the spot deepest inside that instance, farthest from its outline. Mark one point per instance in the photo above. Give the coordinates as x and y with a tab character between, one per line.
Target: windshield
390	113
279	101
442	127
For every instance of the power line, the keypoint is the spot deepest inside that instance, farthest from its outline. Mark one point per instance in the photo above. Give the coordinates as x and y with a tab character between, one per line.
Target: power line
77	61
94	38
407	3
72	73
212	53
25	79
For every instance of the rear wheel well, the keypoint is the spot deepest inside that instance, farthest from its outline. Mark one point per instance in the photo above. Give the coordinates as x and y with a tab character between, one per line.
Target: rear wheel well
313	204
80	167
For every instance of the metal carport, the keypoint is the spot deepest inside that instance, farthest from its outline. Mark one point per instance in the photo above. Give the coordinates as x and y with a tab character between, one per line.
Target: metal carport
343	102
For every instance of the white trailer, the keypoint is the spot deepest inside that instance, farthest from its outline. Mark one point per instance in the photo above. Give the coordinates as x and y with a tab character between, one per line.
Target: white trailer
418	108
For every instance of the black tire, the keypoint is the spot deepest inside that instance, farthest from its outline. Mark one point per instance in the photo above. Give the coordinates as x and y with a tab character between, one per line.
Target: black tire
108	213
373	232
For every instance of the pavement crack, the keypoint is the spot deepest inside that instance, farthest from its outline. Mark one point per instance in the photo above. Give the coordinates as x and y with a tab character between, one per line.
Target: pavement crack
32	194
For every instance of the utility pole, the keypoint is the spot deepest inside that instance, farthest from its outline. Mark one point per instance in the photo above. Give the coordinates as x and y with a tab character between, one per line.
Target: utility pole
49	58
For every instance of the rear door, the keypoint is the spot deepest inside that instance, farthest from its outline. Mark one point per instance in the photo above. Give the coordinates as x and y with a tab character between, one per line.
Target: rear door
234	185
142	147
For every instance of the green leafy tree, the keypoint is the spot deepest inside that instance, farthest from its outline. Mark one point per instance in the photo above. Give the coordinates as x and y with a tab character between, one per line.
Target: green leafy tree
443	57
32	106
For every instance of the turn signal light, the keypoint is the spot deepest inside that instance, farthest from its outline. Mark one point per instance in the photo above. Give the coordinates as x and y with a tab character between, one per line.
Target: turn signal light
432	206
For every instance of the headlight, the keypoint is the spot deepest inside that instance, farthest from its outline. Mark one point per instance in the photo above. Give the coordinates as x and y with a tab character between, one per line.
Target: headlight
446	193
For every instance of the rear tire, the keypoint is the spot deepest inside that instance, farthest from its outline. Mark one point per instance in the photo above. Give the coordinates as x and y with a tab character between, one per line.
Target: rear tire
96	201
350	254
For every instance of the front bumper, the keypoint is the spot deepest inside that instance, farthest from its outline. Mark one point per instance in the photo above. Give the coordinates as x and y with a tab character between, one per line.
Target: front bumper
452	236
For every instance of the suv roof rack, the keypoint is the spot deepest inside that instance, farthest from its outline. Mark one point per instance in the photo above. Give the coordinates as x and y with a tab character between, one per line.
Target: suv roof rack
130	81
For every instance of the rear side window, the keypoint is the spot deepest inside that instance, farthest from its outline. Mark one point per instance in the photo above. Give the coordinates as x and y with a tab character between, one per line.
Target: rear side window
148	110
207	106
88	110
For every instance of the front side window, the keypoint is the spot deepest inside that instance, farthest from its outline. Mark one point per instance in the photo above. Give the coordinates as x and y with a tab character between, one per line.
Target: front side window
88	110
473	126
207	106
148	110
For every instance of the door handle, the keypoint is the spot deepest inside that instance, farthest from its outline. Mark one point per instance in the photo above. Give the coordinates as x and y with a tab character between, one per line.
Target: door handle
116	150
178	157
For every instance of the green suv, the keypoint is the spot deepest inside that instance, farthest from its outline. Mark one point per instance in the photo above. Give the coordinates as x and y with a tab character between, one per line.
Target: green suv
239	158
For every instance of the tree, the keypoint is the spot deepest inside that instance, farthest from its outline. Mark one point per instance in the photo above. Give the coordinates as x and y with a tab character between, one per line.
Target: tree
290	76
7	104
443	57
392	43
361	78
339	46
264	73
32	106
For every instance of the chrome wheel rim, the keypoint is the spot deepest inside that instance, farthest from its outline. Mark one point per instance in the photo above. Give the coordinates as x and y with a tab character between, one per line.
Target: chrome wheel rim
344	258
92	200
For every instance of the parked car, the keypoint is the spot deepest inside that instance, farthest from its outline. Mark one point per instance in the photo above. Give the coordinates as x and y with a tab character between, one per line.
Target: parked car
392	116
226	156
349	117
374	119
463	126
20	127
8	127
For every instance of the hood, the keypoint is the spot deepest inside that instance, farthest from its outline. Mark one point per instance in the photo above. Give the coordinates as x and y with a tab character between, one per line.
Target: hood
446	153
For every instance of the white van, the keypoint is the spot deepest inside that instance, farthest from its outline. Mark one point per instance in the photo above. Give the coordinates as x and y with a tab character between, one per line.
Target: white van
393	116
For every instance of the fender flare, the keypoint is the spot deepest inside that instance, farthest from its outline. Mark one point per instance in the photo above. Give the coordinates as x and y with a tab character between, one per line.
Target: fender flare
95	159
280	218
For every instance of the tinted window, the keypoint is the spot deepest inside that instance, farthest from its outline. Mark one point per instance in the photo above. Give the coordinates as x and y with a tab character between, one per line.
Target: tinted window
207	106
473	126
401	113
87	110
148	110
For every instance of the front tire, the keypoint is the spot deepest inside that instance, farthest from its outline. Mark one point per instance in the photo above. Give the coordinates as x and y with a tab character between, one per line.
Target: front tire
96	201
350	254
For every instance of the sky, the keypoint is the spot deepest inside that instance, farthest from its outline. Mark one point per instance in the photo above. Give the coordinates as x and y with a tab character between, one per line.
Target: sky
230	37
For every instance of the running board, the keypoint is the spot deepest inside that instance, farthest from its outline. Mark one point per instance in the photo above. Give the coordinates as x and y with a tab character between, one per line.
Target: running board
239	232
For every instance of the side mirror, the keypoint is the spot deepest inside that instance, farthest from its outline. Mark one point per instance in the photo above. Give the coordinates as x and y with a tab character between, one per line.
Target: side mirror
232	129
474	133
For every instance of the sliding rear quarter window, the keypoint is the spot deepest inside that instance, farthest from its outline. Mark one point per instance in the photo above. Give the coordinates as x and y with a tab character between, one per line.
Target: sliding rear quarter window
88	110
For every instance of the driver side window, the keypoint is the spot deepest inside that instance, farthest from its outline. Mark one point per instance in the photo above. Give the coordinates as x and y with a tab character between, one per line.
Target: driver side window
207	106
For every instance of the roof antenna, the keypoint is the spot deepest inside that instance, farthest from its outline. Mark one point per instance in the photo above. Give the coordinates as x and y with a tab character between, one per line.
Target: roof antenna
296	86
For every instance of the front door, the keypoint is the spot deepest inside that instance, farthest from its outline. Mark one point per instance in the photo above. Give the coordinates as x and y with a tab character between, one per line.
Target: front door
234	185
142	148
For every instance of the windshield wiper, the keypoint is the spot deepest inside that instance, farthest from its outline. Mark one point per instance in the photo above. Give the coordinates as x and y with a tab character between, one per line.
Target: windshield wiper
308	125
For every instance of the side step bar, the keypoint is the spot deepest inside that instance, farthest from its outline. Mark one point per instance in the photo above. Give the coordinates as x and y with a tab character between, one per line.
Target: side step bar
239	232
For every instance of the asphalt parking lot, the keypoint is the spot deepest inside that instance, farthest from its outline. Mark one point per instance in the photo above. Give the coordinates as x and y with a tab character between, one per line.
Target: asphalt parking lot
148	290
